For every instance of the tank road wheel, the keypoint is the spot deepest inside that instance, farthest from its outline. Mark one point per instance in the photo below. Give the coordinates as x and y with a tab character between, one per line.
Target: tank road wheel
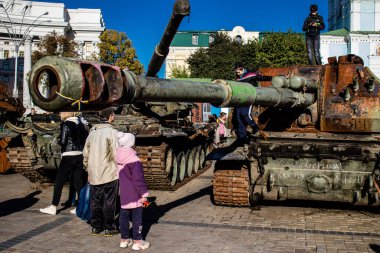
169	161
196	160
181	162
190	161
174	171
202	156
231	184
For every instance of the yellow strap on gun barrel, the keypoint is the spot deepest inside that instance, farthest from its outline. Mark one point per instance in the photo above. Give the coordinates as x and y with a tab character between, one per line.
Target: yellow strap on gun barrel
76	101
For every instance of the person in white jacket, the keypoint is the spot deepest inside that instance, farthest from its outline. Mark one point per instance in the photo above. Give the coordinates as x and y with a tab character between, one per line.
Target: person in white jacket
99	160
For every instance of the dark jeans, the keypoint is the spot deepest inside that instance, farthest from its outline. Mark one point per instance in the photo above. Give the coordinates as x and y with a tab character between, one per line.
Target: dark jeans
69	164
103	204
313	45
136	214
244	120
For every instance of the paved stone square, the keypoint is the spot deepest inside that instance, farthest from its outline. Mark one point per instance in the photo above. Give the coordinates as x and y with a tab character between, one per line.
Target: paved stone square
187	221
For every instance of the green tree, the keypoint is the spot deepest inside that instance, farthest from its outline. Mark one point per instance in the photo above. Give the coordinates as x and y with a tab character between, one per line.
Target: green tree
55	45
116	49
217	60
179	72
282	49
276	49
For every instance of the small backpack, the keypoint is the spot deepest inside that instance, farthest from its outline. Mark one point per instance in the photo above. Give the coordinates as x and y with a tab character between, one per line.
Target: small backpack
83	210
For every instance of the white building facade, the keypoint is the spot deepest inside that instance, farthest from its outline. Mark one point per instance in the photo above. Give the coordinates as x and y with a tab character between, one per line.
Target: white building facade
186	43
354	28
37	19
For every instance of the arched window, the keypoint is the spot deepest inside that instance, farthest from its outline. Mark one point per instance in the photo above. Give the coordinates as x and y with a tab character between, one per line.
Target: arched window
238	39
211	38
378	49
194	39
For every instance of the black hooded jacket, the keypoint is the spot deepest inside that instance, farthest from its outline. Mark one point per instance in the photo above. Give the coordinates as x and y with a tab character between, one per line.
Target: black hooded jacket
72	136
308	27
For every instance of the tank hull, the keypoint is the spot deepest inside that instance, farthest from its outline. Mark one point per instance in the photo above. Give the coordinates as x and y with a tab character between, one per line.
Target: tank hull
329	151
309	166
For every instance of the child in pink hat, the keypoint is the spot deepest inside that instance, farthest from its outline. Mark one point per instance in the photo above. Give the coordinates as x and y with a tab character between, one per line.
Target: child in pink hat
133	192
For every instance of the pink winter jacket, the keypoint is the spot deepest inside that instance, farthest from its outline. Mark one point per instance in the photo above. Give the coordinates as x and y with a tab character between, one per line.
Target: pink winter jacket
131	178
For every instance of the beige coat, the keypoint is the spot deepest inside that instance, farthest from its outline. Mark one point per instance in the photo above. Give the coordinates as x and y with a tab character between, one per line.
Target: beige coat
99	154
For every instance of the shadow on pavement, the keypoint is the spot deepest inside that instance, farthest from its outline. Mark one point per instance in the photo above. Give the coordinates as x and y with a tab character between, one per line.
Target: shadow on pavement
16	205
153	212
321	205
375	247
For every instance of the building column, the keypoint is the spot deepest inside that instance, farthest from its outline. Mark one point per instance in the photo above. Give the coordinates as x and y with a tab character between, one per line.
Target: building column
27	103
81	48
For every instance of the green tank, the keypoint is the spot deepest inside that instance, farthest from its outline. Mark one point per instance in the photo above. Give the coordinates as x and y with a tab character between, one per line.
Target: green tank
171	147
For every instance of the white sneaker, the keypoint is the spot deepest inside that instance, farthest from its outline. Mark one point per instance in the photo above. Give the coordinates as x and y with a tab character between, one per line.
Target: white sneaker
73	211
49	210
141	244
125	243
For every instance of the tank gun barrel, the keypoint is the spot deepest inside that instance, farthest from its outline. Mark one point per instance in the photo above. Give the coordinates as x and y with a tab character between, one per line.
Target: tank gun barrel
63	84
181	9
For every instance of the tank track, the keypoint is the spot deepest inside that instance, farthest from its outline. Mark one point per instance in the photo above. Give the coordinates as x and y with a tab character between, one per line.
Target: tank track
158	166
19	158
231	186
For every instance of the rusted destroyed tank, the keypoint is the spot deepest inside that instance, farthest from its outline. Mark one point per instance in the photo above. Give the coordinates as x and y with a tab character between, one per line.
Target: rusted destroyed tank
10	110
26	142
34	152
327	150
321	124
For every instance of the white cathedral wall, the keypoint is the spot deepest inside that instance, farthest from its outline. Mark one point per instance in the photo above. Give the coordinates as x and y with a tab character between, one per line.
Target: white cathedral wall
332	46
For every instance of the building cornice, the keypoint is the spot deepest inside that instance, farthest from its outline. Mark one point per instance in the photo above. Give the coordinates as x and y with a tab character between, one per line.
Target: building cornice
88	28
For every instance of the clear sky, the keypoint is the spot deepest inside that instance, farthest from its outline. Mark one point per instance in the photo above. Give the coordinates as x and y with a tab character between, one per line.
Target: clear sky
145	20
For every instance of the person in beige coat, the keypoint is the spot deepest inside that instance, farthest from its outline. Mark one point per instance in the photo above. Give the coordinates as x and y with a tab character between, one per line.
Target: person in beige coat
99	161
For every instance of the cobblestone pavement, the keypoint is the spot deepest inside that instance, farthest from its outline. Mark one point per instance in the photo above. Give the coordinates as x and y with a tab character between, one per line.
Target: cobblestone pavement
186	221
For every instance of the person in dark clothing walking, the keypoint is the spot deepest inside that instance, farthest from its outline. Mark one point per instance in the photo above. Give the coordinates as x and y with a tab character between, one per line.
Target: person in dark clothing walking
71	139
313	25
243	114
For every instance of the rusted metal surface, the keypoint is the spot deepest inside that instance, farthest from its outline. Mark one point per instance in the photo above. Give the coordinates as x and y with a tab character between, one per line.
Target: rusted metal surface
4	162
95	80
352	104
10	109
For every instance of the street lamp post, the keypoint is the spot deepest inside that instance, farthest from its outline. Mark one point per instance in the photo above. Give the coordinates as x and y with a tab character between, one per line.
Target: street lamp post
18	37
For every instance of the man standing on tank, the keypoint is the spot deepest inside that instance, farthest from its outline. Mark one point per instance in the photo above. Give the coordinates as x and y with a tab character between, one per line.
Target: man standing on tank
313	25
243	114
99	160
